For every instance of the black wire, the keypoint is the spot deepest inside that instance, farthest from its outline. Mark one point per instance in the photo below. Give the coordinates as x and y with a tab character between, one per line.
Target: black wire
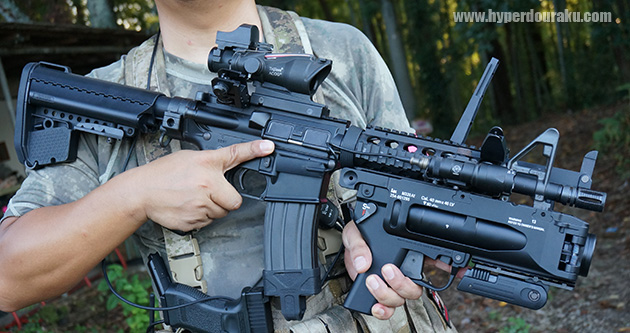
155	48
332	265
153	54
169	308
152	323
131	149
151	327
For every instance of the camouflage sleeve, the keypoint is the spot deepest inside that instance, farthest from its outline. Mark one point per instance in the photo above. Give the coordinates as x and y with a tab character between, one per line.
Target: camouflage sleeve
67	182
360	87
57	184
115	72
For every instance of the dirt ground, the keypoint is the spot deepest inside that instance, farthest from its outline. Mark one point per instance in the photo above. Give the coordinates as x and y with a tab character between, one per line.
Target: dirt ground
599	302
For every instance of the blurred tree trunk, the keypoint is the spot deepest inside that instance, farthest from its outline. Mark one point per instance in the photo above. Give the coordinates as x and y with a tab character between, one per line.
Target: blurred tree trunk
380	37
326	9
622	49
539	67
366	21
425	53
515	55
559	6
501	82
398	59
535	71
12	13
353	16
101	14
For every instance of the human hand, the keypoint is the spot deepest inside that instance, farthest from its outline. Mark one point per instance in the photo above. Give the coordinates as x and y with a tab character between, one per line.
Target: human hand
187	190
396	288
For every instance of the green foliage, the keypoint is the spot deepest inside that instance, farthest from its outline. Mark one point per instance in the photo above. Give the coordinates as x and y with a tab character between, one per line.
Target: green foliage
139	15
53	11
60	316
613	139
433	76
516	325
132	288
545	66
51	318
494	316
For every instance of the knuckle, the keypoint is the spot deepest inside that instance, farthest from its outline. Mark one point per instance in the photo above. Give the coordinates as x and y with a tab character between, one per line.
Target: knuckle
355	243
198	203
399	302
418	293
392	301
397	283
413	291
382	312
233	156
387	297
217	213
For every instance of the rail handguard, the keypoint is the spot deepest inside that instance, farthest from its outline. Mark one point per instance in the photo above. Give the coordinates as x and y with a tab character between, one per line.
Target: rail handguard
417	197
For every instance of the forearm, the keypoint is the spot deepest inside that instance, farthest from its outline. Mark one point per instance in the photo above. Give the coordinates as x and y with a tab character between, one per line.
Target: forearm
48	250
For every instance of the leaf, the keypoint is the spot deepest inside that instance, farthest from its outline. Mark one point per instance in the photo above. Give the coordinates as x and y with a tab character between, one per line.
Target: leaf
111	303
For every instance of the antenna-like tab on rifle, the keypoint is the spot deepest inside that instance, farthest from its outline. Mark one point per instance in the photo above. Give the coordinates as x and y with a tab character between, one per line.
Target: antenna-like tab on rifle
465	122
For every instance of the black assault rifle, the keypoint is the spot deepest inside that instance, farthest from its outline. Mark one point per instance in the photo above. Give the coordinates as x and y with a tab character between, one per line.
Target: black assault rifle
417	197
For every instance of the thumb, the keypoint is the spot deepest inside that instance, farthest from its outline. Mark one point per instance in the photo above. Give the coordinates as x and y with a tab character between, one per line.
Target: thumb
357	252
236	154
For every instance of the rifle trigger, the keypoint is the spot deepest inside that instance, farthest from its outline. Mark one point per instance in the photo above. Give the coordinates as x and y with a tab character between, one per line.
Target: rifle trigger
412	265
164	140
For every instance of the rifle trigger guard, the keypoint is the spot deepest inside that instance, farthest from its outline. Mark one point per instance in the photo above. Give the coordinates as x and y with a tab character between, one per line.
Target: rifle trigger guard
414	259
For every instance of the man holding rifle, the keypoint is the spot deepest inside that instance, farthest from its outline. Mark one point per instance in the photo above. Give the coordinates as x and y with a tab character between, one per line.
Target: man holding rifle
67	217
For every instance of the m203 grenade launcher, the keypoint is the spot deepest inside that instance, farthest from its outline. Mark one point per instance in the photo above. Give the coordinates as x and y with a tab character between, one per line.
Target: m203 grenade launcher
417	197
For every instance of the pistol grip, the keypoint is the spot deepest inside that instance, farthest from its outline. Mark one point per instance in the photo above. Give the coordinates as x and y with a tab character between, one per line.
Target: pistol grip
359	298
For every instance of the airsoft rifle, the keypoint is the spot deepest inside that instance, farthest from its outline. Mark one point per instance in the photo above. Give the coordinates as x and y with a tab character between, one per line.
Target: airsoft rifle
417	197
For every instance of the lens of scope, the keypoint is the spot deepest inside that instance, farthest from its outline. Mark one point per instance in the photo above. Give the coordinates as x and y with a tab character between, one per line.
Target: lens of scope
587	254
